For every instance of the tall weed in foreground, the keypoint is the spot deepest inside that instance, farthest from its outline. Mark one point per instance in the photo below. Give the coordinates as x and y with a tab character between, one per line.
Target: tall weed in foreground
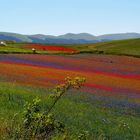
42	125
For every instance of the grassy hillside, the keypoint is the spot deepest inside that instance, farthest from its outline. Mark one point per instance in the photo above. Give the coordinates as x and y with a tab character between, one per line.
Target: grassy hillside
19	49
124	47
129	47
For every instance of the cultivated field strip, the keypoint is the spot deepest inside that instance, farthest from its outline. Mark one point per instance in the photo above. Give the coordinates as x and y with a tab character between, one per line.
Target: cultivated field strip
105	74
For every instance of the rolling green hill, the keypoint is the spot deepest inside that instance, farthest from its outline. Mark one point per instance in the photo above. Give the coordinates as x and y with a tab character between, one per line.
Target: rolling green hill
122	47
130	47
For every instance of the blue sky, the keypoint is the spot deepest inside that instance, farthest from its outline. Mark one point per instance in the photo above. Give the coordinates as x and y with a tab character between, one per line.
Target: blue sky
56	17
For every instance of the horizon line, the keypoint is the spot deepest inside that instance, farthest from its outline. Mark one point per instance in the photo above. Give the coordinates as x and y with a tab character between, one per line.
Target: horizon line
69	33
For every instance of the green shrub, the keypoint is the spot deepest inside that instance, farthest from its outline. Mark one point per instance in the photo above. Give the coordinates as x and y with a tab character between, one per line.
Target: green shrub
42	125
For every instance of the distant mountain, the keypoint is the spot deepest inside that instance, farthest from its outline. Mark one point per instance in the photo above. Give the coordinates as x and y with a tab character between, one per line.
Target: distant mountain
121	36
69	38
83	36
41	36
63	39
14	36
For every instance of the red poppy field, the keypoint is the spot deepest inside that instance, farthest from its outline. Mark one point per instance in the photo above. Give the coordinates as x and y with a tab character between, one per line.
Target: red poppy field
117	76
48	47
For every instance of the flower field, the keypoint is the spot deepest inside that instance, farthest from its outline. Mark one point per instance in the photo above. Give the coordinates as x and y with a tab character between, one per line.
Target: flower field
116	76
48	47
107	106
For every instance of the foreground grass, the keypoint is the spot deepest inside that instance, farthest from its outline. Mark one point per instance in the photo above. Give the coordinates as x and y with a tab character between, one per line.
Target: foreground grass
77	110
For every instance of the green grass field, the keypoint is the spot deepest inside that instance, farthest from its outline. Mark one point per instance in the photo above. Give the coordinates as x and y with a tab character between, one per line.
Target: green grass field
76	110
129	47
124	47
17	49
